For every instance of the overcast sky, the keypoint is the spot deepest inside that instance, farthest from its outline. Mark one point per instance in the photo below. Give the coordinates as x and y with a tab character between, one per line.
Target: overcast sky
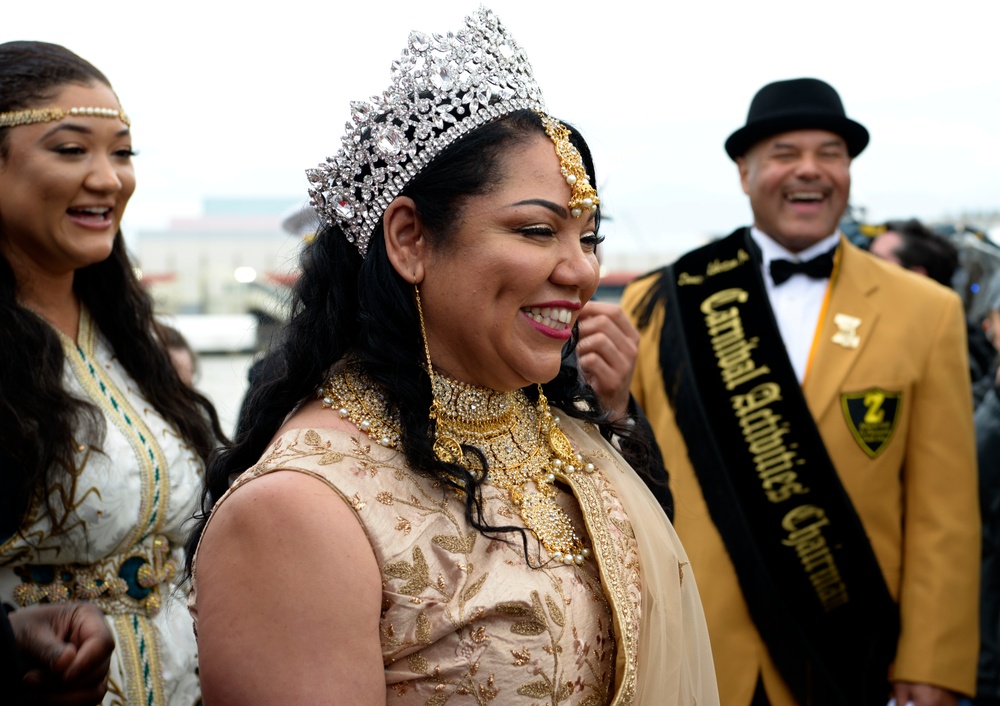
238	99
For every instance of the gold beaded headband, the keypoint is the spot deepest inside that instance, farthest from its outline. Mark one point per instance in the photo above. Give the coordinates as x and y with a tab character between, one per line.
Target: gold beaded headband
584	196
48	115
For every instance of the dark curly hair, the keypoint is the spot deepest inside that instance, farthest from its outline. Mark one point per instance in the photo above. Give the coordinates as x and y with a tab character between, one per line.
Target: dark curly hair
41	423
348	307
922	247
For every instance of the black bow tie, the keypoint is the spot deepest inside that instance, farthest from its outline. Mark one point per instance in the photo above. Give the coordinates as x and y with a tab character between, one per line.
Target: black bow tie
819	267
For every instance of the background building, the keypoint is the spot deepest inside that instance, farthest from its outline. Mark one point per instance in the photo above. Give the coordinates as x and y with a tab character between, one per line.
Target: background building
203	265
222	278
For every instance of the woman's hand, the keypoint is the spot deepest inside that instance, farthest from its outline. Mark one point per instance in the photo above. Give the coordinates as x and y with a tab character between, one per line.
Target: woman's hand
607	350
67	649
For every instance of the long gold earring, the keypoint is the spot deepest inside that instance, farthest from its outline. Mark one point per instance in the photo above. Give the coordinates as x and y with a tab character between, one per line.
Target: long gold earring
446	448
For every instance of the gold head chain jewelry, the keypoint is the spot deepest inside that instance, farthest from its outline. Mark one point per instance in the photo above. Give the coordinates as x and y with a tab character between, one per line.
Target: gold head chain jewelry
48	115
583	195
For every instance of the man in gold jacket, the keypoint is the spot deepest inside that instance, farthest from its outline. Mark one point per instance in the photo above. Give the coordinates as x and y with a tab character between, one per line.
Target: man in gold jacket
865	328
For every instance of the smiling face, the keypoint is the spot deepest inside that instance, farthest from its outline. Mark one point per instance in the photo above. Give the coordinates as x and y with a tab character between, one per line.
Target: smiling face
502	293
798	183
64	186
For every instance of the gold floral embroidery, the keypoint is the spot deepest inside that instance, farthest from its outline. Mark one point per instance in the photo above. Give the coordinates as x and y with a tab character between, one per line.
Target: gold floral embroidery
555	612
535	616
457	545
416	573
619	557
418	663
423	629
536	690
330	457
472	590
624	526
487	691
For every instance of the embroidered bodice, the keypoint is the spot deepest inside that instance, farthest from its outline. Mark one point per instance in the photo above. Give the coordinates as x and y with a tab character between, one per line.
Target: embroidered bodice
128	500
465	615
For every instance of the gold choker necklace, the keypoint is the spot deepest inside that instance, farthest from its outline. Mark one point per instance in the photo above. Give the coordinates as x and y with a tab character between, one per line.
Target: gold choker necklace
524	448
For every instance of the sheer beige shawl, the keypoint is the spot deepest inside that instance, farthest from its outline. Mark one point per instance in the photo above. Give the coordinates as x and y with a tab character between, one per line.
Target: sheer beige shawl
674	658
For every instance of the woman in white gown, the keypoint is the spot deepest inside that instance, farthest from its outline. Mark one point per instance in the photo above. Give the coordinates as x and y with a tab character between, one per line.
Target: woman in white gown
102	447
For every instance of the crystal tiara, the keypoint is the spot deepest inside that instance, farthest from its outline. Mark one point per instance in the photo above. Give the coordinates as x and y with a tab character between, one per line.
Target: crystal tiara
443	87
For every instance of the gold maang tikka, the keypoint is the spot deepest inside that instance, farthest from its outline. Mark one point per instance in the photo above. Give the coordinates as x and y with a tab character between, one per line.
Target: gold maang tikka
583	195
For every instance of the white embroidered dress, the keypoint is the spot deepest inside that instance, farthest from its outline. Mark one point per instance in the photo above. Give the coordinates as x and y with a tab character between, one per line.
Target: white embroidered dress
130	504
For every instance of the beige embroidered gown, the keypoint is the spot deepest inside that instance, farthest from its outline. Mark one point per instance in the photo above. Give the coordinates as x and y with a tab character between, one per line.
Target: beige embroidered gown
466	621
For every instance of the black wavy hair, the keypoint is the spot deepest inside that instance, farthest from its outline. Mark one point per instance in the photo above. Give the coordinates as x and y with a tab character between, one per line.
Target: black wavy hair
41	423
344	306
922	247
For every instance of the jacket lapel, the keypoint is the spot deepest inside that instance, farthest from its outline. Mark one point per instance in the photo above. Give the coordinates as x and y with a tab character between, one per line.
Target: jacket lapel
846	329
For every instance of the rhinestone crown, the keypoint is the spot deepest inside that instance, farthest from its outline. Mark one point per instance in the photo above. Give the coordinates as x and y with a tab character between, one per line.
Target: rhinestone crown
443	87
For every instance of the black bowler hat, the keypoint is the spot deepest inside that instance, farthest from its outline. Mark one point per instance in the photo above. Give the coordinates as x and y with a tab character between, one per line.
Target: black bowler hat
798	104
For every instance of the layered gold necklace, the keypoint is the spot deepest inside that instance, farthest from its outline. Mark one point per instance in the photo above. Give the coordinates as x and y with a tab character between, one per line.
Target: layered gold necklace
525	450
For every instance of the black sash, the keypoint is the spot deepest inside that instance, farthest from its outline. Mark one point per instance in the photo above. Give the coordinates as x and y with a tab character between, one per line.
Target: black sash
804	562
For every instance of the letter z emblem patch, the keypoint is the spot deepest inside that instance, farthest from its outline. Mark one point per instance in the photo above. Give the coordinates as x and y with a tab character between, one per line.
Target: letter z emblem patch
872	416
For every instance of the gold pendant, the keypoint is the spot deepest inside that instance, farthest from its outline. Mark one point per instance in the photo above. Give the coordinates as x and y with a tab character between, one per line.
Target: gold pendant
448	450
550	524
560	444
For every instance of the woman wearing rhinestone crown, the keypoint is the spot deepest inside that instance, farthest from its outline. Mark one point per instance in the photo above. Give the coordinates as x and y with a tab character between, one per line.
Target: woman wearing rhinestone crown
432	512
102	447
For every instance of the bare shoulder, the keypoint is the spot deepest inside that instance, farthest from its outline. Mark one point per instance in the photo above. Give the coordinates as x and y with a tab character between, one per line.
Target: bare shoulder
276	520
279	498
276	551
313	415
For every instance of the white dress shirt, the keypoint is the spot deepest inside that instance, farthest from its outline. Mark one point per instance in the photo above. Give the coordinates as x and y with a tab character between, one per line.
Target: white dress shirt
797	302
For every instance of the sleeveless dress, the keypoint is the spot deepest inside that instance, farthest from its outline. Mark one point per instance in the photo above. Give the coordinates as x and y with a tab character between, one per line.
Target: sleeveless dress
130	501
465	620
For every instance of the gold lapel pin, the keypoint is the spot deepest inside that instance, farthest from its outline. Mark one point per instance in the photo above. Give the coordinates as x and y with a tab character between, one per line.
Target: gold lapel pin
847	334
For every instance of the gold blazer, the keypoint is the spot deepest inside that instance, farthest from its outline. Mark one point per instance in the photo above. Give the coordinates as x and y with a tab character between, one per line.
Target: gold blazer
900	339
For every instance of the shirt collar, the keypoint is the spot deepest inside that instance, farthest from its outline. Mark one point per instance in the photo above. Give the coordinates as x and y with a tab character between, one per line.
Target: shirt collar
771	250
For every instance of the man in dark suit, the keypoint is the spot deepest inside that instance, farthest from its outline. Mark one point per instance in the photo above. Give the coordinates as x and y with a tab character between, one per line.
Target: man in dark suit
813	407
